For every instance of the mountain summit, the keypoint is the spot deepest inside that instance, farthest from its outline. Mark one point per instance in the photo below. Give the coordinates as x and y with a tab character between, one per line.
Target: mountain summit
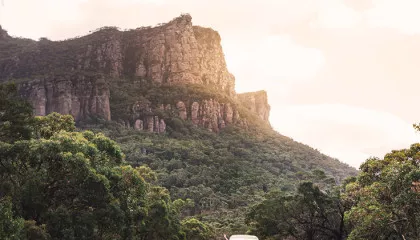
75	76
165	95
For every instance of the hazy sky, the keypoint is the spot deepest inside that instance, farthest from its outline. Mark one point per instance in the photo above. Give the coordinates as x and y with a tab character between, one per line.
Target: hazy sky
341	75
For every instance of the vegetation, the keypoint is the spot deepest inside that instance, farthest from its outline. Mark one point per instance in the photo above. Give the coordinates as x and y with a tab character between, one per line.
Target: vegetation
15	115
382	202
126	92
223	174
385	197
309	214
103	180
60	184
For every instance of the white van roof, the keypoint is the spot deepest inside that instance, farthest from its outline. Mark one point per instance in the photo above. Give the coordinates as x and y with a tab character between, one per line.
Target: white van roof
243	237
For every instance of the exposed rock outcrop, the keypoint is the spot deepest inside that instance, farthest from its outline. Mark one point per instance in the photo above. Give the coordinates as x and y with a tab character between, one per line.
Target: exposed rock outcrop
173	53
3	34
257	103
73	76
210	114
77	95
182	110
144	118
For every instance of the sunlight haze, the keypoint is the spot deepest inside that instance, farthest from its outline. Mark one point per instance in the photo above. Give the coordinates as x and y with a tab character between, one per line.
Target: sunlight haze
342	76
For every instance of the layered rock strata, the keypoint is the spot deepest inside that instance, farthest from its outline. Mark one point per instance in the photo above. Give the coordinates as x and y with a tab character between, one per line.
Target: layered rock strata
256	102
73	76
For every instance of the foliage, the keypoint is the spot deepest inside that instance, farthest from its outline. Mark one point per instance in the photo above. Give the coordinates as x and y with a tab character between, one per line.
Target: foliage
382	202
46	127
126	92
196	230
309	214
15	115
218	176
74	183
77	185
385	202
223	174
62	184
10	225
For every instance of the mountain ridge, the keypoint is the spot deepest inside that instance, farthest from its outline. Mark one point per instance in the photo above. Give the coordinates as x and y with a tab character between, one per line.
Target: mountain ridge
74	76
164	94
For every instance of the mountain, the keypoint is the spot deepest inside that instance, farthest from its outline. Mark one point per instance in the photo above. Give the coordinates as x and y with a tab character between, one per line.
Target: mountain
165	95
73	76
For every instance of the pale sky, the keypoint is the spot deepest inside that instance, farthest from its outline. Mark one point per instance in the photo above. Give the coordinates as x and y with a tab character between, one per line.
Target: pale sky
341	75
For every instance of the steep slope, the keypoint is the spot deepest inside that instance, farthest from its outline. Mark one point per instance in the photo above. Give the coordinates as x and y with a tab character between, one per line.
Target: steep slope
214	146
224	173
68	76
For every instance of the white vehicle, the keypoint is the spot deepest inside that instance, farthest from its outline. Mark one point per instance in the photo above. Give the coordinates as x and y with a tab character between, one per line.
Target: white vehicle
243	237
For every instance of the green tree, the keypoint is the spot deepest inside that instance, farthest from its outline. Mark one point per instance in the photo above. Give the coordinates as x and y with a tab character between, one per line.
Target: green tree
33	231
196	230
10	225
15	115
162	221
74	185
309	214
46	127
385	202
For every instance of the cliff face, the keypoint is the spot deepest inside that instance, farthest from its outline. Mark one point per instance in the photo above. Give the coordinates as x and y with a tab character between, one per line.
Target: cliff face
208	114
3	34
256	102
78	95
73	76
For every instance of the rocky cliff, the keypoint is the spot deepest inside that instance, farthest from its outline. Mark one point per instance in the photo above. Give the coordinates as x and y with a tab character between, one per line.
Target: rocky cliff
75	76
208	114
79	95
256	102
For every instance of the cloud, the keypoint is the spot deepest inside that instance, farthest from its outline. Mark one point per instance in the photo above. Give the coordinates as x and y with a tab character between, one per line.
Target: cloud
279	56
336	14
157	2
342	131
402	15
275	59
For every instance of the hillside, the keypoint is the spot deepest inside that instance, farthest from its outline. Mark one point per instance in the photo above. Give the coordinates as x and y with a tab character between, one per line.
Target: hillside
165	95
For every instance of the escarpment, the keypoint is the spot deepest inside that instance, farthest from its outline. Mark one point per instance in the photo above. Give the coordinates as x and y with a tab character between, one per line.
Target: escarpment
208	114
91	76
79	95
256	102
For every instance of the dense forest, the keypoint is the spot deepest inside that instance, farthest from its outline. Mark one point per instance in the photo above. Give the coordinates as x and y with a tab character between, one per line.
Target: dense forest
110	182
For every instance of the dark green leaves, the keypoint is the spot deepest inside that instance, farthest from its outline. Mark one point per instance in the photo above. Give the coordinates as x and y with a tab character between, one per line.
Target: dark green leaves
15	115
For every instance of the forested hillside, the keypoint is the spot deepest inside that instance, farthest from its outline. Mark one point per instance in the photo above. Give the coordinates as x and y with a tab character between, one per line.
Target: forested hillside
222	173
140	134
61	183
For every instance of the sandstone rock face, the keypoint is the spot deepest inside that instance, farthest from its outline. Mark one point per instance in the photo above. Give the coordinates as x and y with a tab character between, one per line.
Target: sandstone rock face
150	123
144	120
153	124
256	102
73	76
210	114
194	112
76	95
178	52
162	126
173	53
182	110
138	125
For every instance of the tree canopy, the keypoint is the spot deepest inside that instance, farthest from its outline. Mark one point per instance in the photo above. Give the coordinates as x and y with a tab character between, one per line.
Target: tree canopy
56	183
384	198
